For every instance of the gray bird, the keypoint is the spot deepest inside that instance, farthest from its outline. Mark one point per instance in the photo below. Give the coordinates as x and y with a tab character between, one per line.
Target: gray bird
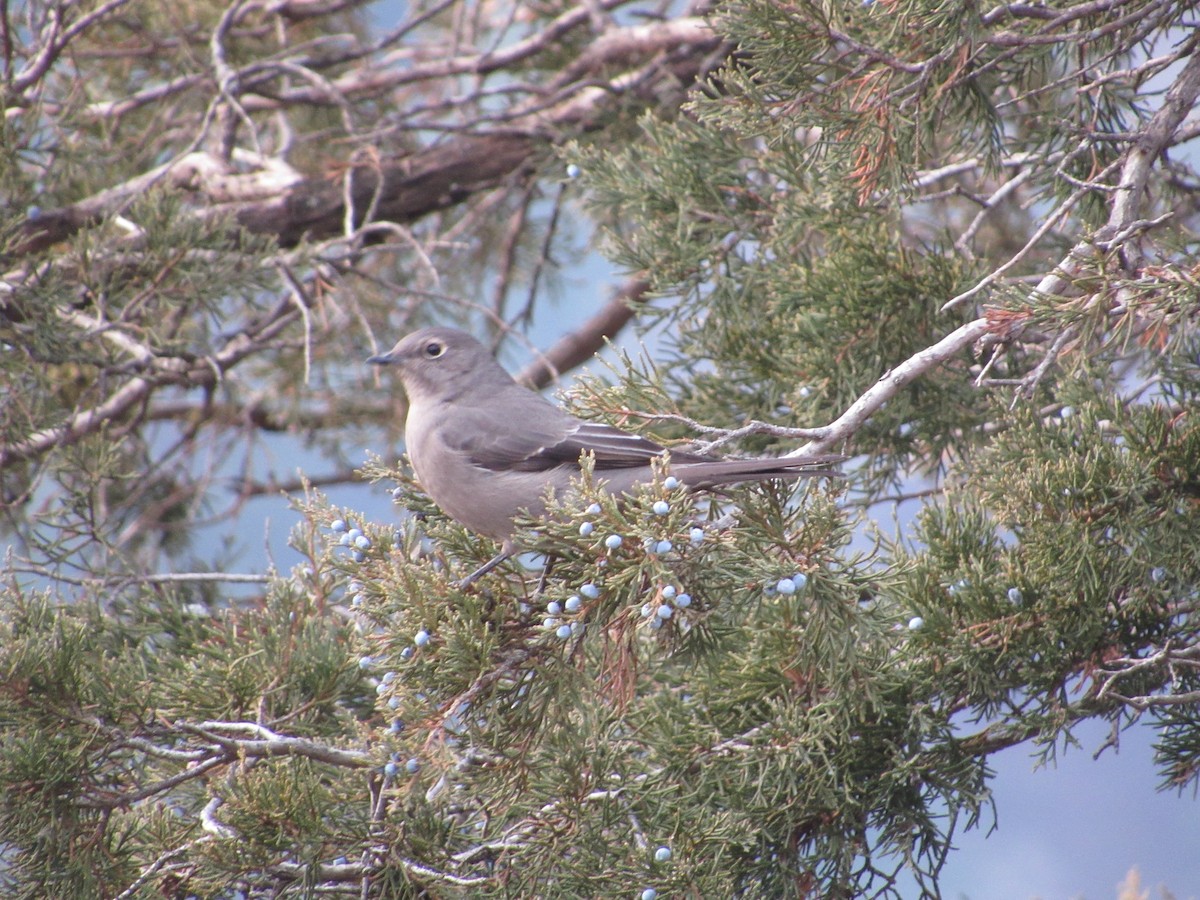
485	448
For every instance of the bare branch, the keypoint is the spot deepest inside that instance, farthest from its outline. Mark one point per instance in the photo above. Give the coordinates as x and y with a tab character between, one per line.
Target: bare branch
588	339
891	383
401	188
159	863
148	578
1051	221
1152	140
268	743
54	40
164	371
1163	663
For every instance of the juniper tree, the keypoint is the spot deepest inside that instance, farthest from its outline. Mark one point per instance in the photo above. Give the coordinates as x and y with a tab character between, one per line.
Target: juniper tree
955	243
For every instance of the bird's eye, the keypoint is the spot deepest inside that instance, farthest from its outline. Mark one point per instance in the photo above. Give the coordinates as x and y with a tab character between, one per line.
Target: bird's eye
434	349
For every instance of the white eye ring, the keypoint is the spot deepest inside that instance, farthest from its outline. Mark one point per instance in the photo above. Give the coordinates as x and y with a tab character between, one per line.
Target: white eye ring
434	349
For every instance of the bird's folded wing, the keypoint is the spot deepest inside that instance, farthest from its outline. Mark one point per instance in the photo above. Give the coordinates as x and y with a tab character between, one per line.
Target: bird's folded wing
544	437
611	447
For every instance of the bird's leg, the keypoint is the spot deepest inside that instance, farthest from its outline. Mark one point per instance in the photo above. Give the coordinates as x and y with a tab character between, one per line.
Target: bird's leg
545	576
484	569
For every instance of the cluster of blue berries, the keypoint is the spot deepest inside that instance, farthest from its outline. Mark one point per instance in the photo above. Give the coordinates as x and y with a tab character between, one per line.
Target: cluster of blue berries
787	585
569	607
420	639
412	767
351	537
660	508
382	687
672	599
654	545
659	547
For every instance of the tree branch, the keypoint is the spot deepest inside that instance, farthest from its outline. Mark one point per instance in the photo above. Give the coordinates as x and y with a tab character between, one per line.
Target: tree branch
588	339
401	188
890	384
163	371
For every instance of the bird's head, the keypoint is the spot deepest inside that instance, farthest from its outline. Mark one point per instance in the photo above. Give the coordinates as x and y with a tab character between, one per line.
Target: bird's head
441	364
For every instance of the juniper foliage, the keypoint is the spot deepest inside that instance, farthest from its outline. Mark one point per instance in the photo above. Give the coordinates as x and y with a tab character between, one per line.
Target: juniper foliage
953	242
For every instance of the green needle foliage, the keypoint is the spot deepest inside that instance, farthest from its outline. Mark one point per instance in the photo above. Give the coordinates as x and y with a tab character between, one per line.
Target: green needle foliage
955	243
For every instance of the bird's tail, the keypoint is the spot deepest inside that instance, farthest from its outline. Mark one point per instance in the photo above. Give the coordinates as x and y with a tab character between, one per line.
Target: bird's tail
705	475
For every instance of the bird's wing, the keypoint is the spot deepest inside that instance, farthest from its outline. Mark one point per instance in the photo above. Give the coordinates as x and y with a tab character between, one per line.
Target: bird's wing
612	447
525	433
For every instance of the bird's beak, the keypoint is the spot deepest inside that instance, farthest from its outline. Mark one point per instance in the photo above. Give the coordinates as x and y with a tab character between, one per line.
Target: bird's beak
383	359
